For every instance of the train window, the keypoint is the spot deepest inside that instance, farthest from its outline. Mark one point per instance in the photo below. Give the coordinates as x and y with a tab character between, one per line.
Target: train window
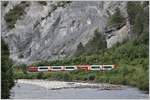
43	68
107	66
69	67
56	67
94	67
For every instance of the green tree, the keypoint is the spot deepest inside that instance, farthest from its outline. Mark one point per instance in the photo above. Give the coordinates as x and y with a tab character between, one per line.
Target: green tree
80	49
40	75
14	14
133	9
7	80
138	14
97	43
138	24
117	18
42	3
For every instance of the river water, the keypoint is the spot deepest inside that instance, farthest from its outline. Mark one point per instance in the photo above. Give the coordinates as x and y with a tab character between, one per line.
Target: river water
24	90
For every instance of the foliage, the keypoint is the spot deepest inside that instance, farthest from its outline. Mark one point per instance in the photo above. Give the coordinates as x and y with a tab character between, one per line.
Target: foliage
40	75
141	21
62	3
116	19
138	16
7	80
138	25
59	4
42	3
131	57
5	3
145	3
15	13
80	49
97	43
133	9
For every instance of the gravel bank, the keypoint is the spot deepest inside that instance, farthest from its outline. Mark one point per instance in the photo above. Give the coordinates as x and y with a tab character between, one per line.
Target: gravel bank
61	84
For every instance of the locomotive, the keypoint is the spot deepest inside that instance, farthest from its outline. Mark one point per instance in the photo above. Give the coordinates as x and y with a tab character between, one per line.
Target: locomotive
71	68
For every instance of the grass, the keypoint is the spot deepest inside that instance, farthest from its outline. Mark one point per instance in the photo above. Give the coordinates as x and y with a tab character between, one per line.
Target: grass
126	74
131	58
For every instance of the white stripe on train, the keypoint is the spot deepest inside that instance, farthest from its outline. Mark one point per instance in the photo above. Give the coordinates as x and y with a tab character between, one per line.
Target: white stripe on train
71	68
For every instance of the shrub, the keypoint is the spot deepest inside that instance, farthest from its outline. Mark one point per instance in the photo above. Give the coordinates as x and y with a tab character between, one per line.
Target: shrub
5	3
15	13
116	19
131	57
91	76
42	3
133	9
62	3
138	17
7	75
80	49
40	75
97	43
138	24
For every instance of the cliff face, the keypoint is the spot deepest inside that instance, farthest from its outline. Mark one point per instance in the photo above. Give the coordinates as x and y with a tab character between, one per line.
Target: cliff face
53	30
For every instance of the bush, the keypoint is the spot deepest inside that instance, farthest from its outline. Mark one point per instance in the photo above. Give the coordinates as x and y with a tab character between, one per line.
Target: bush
138	24
15	13
80	49
133	9
62	3
91	76
116	19
42	3
40	75
97	43
7	75
131	58
19	75
5	3
138	17
94	45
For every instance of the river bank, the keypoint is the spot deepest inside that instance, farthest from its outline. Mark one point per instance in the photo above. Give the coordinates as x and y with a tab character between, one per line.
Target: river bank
44	89
62	84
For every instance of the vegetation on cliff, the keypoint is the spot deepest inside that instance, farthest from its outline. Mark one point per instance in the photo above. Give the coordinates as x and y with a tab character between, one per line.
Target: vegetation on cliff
7	78
116	19
96	44
15	13
131	56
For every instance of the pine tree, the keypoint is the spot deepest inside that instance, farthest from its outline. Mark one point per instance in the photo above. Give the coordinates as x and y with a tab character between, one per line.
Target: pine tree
97	43
7	80
116	19
80	49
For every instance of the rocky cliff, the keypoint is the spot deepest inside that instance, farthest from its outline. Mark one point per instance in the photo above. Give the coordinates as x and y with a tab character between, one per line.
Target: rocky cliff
52	30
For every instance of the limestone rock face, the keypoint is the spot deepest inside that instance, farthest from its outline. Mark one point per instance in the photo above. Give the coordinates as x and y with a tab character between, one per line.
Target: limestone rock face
43	32
117	36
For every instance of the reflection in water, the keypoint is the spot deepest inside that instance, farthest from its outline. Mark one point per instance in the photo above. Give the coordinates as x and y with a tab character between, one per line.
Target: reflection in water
21	91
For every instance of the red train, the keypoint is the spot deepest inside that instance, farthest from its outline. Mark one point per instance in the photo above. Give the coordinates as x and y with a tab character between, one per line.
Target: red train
71	68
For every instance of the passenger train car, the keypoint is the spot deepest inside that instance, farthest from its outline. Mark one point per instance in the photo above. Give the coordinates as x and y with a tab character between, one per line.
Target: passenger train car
71	68
43	68
96	67
56	68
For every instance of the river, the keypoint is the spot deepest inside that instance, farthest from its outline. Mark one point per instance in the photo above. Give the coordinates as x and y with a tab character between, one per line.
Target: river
42	89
